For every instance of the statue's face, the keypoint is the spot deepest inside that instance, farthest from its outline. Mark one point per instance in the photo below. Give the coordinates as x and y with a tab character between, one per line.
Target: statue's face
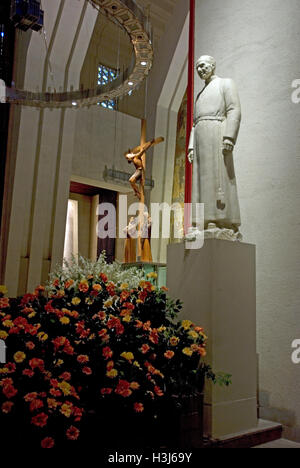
205	69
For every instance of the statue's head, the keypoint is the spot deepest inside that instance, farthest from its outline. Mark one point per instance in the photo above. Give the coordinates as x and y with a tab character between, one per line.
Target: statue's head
206	67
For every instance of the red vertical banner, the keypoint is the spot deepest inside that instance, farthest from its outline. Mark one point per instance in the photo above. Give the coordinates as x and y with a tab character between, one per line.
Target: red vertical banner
190	114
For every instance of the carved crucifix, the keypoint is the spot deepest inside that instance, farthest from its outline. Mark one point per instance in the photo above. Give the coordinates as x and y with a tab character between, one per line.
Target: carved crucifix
137	156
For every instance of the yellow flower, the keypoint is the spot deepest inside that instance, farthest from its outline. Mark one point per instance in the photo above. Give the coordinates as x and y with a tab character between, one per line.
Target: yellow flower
19	357
186	324
108	303
128	356
42	336
4	370
139	301
33	314
174	341
76	301
92	337
3	289
152	275
112	373
127	318
67	409
65	388
153	288
59	363
124	286
193	334
64	320
3	335
161	329
8	324
137	364
188	351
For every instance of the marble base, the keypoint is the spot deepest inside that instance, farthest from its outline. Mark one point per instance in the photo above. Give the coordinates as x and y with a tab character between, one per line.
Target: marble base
217	285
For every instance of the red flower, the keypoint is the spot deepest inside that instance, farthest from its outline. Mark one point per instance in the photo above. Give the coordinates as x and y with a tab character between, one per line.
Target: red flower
7	407
154	337
107	352
35	405
106	391
40	420
138	407
9	391
103	277
123	388
48	442
73	433
77	413
65	376
113	322
124	296
111	289
87	370
36	363
11	367
30	397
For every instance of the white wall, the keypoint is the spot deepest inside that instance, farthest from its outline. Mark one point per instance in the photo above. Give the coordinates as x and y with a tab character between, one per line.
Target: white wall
257	44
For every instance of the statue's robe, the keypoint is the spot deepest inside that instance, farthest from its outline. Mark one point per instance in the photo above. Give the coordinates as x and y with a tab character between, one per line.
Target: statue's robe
217	115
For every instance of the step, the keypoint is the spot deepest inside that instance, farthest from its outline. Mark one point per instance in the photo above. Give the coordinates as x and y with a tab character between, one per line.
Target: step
264	432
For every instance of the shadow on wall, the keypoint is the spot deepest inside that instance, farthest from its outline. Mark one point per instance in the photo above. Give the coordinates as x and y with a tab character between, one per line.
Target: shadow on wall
281	415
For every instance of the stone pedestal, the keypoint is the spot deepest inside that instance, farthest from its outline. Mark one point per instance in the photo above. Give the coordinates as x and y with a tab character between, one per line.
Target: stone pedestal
218	287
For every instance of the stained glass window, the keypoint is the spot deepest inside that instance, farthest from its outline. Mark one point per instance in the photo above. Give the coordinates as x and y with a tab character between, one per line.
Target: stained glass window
105	75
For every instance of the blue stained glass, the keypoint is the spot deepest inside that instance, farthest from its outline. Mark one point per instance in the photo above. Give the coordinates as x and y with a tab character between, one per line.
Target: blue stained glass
106	75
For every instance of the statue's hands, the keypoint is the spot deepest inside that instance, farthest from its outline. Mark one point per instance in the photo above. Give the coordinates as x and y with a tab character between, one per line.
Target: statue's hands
228	145
191	155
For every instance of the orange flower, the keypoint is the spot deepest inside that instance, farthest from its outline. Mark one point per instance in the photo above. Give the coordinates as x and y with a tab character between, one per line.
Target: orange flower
69	283
134	385
158	391
139	324
169	354
52	403
48	442
83	286
73	433
138	407
7	407
145	348
82	359
40	420
103	277
147	326
97	287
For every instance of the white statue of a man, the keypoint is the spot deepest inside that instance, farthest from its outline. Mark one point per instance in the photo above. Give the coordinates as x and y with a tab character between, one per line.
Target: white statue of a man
217	118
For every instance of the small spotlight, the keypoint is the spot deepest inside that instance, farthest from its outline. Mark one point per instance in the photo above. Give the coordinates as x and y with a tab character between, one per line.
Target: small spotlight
74	103
143	64
130	83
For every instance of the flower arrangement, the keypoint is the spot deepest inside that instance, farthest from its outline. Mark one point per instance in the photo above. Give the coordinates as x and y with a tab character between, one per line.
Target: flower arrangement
93	343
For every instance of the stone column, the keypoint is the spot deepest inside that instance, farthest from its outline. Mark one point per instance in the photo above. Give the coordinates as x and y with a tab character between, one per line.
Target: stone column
218	290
